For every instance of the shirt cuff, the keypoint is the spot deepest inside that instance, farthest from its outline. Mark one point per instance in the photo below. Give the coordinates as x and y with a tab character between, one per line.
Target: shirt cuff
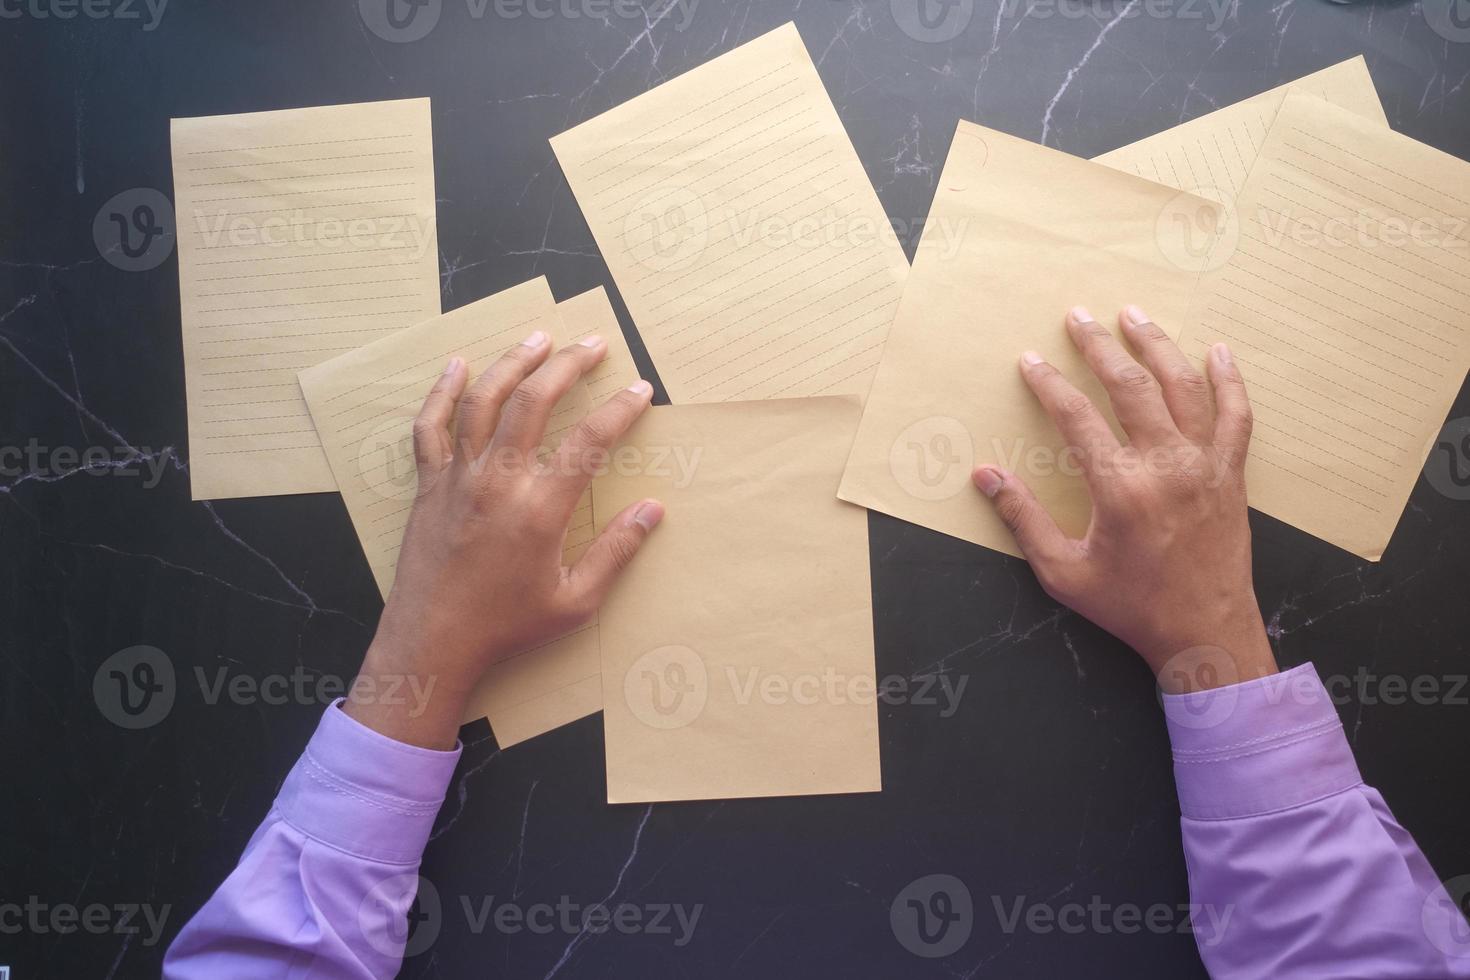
1258	747
365	793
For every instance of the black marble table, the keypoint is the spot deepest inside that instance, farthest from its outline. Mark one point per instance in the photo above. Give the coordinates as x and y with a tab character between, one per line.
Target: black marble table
1048	784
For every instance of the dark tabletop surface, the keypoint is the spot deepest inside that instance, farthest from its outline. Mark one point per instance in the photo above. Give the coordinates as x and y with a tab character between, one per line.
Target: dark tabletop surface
1049	784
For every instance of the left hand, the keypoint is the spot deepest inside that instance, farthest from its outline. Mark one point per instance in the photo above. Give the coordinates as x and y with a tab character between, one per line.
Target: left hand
480	577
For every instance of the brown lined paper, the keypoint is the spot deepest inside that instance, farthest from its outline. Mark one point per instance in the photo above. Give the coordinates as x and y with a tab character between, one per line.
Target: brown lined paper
545	688
737	651
1346	301
364	403
1213	154
741	229
1044	231
302	233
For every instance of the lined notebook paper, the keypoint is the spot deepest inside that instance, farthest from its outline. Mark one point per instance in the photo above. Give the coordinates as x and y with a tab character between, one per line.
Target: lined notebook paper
741	229
302	234
548	687
1215	152
1347	304
1040	232
751	600
364	402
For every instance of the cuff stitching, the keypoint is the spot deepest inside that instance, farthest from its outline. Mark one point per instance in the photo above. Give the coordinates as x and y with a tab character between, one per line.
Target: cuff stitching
1327	795
408	808
1275	736
1259	751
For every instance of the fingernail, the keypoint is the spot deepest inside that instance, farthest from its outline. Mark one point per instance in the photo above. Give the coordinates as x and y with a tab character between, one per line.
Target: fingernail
989	480
1222	355
1135	316
1079	314
535	340
641	387
453	365
648	514
595	340
1031	359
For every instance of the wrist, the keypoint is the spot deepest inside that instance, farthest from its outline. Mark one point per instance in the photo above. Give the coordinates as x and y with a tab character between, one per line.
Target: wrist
1231	650
394	695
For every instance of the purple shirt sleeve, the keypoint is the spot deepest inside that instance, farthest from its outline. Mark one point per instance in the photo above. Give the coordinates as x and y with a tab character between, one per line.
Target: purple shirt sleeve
1297	869
324	886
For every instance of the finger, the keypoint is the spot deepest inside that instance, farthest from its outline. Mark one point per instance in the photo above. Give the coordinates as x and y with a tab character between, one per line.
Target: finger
1233	416
479	407
612	551
1073	413
585	450
1037	534
1135	396
432	447
1185	390
527	411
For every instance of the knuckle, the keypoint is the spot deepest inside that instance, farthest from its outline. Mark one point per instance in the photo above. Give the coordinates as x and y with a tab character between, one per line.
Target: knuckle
1189	380
1011	509
424	431
595	430
476	401
1133	378
1074	406
622	548
528	395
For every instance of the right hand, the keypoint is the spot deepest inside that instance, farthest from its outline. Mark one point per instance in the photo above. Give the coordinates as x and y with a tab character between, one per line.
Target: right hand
1165	564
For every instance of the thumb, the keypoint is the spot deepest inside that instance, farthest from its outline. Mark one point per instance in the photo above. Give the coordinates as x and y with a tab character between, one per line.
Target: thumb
1037	534
613	550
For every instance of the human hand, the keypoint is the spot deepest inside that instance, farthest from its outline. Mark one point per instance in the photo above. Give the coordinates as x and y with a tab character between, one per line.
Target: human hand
480	576
1165	564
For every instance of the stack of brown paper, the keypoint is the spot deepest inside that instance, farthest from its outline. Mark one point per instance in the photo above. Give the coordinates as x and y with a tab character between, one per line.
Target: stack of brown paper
1214	153
1344	293
737	650
1038	232
363	404
302	234
548	687
741	229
